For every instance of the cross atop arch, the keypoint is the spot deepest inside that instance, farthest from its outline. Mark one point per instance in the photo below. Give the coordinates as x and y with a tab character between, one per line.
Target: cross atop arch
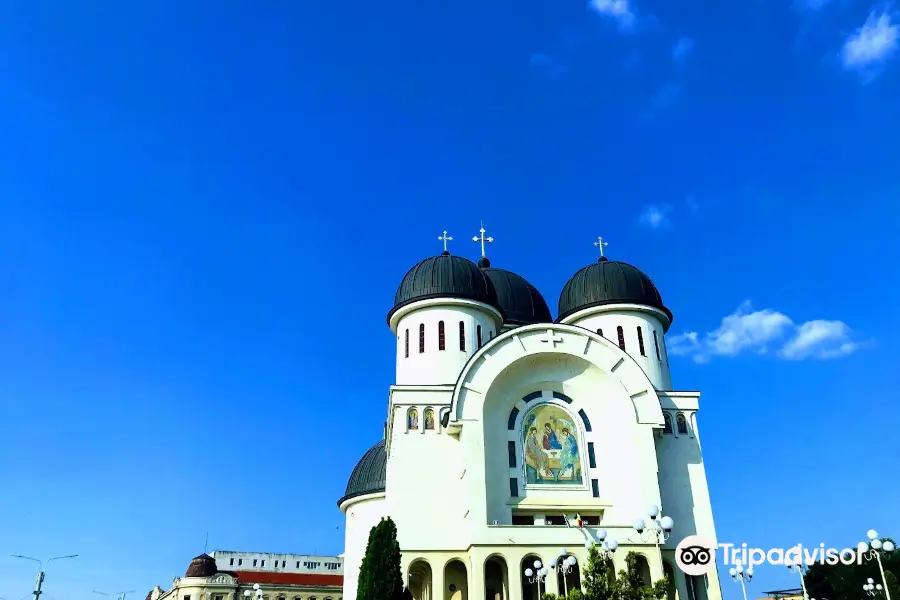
600	244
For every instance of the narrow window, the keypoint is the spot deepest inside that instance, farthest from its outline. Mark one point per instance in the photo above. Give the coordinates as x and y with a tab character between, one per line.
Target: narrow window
600	332
231	562
682	424
407	343
513	414
641	342
284	562
584	419
441	343
478	335
240	561
421	338
298	564
595	488
511	450
656	345
513	487
667	423
254	562
592	459
263	564
462	336
621	337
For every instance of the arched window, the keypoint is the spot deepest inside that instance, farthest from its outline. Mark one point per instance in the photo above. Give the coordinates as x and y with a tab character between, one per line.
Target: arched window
667	423
478	335
406	343
429	418
641	341
600	332
462	336
412	419
421	338
656	345
621	337
441	341
681	422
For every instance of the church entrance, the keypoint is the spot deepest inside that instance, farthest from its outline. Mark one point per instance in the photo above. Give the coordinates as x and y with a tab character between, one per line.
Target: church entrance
496	579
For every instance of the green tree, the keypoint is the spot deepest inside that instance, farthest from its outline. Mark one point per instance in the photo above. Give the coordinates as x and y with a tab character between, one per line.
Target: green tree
601	583
631	585
598	578
846	581
379	575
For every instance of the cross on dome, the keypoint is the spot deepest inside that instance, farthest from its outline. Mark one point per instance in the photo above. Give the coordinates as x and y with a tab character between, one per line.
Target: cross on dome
600	243
445	238
482	239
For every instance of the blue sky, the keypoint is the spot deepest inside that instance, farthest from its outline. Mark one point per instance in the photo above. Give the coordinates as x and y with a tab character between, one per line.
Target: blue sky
205	209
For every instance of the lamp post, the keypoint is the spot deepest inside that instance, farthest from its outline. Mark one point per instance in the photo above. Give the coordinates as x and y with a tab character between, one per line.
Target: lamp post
607	547
564	565
41	574
115	596
871	587
537	575
258	592
739	575
656	529
798	568
873	549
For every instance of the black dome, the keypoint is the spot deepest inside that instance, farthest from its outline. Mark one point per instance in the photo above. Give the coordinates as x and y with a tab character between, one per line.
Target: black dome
521	302
444	276
609	282
202	566
369	475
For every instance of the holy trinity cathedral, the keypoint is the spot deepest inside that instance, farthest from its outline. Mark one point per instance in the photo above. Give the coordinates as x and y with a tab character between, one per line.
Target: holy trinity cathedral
513	437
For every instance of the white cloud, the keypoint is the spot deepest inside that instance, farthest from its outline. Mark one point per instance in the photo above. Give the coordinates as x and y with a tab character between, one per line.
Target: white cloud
871	44
758	331
682	48
656	216
620	10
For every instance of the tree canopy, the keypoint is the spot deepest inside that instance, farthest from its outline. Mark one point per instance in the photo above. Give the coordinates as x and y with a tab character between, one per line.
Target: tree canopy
380	577
846	581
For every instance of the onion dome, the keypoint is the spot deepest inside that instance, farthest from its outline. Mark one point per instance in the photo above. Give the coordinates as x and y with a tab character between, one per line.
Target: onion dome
444	276
609	282
521	302
202	566
369	476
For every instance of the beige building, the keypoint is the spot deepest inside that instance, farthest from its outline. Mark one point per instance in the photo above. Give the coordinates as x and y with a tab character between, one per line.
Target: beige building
226	575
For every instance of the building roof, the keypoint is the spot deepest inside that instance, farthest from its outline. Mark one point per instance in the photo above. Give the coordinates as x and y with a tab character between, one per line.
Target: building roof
444	276
280	578
521	302
202	566
609	282
369	476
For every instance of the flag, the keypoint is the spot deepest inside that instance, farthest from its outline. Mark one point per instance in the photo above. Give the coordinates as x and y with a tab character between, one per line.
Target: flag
578	522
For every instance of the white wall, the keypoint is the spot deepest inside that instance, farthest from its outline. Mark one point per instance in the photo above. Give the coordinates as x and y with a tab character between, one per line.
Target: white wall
227	560
362	514
610	318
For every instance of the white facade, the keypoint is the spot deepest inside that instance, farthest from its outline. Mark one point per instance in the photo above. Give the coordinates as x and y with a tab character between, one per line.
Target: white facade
227	560
472	504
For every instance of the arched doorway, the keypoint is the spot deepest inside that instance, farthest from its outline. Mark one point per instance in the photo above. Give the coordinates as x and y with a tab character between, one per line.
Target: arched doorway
496	579
568	577
671	588
530	584
420	580
644	569
456	581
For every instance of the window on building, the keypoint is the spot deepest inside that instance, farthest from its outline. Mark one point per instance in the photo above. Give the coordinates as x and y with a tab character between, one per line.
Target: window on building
682	424
523	519
478	335
656	345
667	423
641	341
240	561
284	562
555	520
621	337
254	562
511	451
297	567
186	597
231	562
441	342
406	343
462	336
421	338
218	597
263	563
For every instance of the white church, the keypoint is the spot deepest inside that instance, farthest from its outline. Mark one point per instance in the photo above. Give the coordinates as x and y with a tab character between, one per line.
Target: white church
515	441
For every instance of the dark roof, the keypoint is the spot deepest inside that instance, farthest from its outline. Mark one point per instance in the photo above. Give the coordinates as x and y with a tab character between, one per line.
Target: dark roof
281	578
609	282
521	302
202	566
444	276
369	475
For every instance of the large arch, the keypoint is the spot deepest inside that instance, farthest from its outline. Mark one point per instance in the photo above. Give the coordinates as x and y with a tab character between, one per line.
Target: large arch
420	580
643	567
568	577
532	587
486	365
671	587
456	581
496	578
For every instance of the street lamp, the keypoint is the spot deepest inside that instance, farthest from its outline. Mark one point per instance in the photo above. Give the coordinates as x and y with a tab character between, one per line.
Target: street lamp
607	547
537	575
797	567
871	587
873	550
40	577
564	566
656	529
255	589
739	575
116	596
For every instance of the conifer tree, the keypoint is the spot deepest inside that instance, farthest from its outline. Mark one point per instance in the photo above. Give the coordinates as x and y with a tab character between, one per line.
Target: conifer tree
379	575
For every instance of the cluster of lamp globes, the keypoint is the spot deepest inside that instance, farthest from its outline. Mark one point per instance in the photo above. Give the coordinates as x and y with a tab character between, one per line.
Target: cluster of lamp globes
605	544
870	587
255	589
655	524
539	570
875	543
738	572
